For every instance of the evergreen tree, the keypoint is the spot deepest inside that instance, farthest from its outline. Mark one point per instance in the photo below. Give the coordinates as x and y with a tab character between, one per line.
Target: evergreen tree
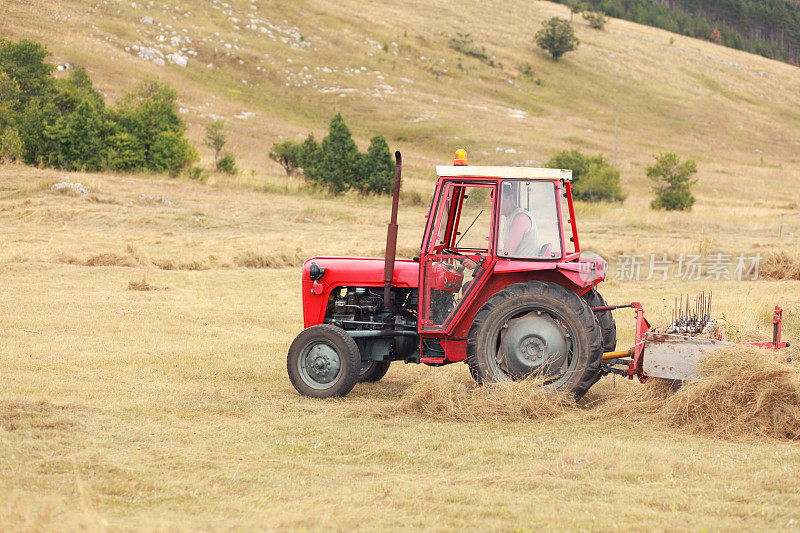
377	168
310	156
339	159
672	182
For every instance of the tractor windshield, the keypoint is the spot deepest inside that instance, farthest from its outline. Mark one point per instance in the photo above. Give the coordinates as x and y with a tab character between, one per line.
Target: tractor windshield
528	225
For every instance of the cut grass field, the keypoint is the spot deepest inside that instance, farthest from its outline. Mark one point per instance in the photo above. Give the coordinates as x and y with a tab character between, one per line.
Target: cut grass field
171	409
143	344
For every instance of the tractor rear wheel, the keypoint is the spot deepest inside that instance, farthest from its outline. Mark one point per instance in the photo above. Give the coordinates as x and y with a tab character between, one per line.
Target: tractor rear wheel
536	329
323	362
604	318
372	371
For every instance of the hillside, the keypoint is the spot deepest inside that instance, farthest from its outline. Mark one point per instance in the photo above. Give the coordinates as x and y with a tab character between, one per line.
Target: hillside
274	70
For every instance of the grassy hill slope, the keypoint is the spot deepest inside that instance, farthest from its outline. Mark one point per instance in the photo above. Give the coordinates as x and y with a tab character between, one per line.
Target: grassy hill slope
285	68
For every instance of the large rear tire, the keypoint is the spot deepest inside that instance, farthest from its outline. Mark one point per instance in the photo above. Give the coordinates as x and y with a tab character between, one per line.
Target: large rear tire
323	362
372	371
605	318
536	329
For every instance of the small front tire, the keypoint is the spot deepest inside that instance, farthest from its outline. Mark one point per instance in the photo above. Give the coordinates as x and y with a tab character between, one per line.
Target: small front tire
323	362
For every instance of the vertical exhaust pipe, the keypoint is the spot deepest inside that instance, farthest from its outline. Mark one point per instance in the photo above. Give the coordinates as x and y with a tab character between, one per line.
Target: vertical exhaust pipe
391	237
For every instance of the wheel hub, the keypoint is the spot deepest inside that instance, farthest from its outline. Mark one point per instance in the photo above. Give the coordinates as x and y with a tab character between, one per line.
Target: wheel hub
533	344
320	363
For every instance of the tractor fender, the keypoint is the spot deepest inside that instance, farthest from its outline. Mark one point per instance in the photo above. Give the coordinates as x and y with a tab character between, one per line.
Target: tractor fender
504	275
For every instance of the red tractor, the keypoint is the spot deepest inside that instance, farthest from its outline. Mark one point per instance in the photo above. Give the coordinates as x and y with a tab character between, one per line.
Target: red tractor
500	283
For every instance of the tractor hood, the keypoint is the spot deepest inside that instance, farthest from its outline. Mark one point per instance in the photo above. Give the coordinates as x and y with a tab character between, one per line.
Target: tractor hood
347	272
362	272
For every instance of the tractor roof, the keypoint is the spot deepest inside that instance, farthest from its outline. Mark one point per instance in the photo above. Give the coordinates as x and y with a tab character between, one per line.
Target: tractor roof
466	171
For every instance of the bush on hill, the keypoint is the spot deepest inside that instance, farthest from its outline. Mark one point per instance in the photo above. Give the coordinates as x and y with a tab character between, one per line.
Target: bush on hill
672	182
593	179
64	122
556	37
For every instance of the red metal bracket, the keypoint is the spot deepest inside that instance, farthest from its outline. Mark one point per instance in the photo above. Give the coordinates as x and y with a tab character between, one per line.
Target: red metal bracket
777	330
642	327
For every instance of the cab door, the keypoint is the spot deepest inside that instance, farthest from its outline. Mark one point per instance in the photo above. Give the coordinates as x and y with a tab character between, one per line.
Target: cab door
456	251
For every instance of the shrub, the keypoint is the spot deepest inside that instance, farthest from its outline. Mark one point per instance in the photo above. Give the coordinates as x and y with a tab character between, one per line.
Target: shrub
575	6
464	44
595	19
10	146
171	153
557	37
150	115
411	198
125	152
672	182
23	62
601	182
64	123
593	179
288	154
215	138
196	173
227	164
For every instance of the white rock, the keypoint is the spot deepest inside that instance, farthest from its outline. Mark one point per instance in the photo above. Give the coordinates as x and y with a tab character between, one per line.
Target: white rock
147	20
178	59
65	184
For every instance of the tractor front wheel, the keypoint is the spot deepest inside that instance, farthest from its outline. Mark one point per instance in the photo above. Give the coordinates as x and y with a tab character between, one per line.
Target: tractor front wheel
323	362
372	371
536	329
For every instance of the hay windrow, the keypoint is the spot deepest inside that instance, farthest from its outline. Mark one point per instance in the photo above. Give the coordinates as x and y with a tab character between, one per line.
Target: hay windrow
781	264
442	396
743	392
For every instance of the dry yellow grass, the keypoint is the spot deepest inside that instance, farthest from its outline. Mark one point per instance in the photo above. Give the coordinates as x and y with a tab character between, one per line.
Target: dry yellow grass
170	410
126	409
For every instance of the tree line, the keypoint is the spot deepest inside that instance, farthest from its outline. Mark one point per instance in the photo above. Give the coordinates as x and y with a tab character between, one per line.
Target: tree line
65	123
336	165
770	28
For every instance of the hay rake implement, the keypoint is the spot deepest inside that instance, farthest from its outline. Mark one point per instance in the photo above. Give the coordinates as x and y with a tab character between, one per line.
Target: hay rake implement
675	353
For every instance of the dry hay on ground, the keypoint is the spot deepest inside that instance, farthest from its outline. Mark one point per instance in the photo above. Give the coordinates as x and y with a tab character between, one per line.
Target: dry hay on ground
781	264
742	392
444	397
143	285
250	259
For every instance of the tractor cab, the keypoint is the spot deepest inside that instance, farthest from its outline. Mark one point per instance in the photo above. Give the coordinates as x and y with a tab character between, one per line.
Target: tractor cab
485	218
